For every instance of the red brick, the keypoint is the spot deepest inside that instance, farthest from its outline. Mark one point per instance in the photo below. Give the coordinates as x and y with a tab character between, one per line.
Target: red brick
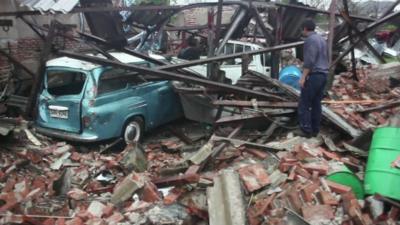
253	219
257	153
317	212
295	200
394	213
330	155
367	219
327	198
263	204
309	190
305	151
254	177
108	210
150	193
285	167
292	173
173	195
302	172
338	188
115	218
77	194
321	168
74	221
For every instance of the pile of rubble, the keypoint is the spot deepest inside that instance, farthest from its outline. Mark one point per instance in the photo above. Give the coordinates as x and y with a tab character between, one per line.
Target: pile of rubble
370	100
184	176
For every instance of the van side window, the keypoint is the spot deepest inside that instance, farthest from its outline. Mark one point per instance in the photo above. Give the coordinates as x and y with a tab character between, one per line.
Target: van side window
65	82
229	49
117	79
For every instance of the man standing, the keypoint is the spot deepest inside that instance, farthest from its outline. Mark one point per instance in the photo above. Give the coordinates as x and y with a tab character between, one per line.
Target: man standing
313	80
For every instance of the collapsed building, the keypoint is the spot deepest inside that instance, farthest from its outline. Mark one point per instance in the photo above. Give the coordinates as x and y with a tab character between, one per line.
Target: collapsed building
234	158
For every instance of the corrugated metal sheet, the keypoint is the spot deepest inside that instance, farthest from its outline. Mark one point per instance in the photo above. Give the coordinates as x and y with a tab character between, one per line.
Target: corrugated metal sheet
51	6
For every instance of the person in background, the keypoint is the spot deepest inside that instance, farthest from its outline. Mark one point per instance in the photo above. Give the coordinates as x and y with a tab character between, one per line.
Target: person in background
191	52
313	80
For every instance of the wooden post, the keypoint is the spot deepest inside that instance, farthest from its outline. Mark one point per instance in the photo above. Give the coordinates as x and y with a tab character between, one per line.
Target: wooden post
350	33
44	56
332	10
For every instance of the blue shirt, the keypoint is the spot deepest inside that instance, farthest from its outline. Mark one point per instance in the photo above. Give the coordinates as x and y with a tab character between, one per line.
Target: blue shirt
316	54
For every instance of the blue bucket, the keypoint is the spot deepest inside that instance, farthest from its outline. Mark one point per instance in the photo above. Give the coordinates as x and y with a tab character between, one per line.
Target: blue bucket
290	75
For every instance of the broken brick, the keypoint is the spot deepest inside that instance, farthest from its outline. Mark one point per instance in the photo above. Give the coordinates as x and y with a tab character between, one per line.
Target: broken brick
302	172
77	194
317	212
253	218
305	151
321	168
327	198
254	177
150	193
257	153
115	218
338	188
173	195
74	221
263	204
309	190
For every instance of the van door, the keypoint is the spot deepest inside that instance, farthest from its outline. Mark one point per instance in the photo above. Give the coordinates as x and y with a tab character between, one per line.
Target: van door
60	100
233	67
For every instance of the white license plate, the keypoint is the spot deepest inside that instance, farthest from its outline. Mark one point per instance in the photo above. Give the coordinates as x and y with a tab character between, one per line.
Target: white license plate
62	114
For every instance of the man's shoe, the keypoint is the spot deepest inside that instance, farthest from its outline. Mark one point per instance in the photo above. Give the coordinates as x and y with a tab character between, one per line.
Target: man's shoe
302	134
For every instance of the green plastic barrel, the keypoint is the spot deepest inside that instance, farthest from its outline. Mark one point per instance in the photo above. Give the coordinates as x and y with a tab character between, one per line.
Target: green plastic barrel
344	176
380	177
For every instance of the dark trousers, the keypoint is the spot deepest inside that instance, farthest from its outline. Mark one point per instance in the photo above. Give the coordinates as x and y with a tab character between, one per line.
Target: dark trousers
310	109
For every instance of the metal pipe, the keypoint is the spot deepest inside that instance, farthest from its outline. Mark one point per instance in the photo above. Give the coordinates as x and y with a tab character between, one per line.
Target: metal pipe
231	30
369	28
321	11
173	76
231	56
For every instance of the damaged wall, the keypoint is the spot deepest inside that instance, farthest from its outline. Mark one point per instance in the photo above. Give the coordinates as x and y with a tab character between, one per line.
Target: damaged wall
23	42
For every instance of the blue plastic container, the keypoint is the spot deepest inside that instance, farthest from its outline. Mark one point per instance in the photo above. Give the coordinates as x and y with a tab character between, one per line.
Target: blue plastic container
290	75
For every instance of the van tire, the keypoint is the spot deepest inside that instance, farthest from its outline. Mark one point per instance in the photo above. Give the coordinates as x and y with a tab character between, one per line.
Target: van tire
133	131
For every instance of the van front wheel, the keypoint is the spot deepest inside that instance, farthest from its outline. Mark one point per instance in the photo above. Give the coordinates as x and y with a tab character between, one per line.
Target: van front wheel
133	131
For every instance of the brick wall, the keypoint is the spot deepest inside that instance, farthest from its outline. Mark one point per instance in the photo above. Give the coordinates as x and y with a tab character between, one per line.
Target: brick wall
27	50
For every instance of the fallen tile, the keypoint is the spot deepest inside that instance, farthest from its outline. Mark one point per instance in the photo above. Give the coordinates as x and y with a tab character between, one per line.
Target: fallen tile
126	188
254	177
60	161
133	158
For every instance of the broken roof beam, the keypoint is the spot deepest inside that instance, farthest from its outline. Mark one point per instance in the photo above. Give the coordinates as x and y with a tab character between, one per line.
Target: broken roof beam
262	104
365	32
230	56
94	9
173	76
363	38
367	19
326	112
16	62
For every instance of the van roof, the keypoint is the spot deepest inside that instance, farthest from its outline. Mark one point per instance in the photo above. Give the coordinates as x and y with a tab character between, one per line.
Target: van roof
83	65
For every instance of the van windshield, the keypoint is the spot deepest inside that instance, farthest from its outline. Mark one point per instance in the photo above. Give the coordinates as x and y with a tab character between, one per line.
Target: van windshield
62	82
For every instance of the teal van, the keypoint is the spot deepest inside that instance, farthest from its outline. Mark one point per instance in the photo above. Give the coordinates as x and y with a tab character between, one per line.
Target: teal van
85	102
